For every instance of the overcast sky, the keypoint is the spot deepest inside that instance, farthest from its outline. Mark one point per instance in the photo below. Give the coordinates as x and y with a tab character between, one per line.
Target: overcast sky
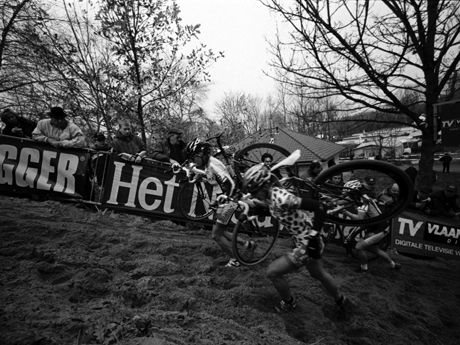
240	29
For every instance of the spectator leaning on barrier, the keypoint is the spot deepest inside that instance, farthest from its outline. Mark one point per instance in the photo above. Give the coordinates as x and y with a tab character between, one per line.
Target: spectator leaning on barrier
16	125
172	150
420	200
444	203
59	132
126	141
99	160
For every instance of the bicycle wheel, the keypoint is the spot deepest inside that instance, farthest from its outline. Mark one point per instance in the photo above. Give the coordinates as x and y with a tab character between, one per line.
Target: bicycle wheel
384	175
263	237
355	237
252	155
194	201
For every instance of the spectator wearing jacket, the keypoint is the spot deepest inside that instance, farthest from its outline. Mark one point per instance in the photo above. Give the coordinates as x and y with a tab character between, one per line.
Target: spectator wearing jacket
421	200
444	203
171	150
126	141
100	159
17	126
58	131
313	171
412	172
445	160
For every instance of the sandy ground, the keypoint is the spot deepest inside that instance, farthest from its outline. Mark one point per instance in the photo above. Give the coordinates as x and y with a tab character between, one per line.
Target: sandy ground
71	276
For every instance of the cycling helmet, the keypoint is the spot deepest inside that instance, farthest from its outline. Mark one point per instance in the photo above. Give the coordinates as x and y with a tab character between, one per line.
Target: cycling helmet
197	146
256	176
353	184
191	149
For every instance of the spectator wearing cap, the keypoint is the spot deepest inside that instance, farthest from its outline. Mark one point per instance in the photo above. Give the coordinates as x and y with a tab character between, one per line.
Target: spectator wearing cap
17	126
58	131
99	159
126	141
444	203
313	171
369	186
171	150
100	143
421	200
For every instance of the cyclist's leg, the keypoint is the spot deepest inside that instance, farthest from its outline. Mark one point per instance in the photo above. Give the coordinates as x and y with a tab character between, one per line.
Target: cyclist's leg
276	272
361	247
317	271
383	254
219	231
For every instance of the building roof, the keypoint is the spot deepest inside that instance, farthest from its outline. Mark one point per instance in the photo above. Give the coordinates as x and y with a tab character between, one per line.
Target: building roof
311	148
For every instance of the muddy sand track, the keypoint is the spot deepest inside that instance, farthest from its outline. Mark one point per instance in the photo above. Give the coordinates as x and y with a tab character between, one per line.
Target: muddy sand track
70	276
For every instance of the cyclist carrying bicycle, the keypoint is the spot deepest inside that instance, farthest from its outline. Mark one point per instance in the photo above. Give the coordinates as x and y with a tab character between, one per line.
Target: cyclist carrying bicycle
374	233
200	153
289	209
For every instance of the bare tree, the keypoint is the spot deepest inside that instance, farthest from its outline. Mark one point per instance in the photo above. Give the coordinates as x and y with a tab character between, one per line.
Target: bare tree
240	114
367	52
152	47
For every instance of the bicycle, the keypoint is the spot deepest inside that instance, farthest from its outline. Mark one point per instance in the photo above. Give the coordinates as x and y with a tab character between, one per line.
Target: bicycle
195	198
335	198
348	237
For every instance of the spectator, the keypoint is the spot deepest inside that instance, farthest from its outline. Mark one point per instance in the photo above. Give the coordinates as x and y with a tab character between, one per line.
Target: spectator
444	203
421	200
126	141
446	159
59	132
171	150
336	183
388	196
16	125
267	159
412	172
368	186
313	171
99	160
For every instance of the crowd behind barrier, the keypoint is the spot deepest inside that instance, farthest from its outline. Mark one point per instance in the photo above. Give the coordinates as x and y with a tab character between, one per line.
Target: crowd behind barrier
107	181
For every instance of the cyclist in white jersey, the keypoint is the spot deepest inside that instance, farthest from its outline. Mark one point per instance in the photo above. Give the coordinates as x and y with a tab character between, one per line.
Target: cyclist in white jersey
289	210
374	233
201	153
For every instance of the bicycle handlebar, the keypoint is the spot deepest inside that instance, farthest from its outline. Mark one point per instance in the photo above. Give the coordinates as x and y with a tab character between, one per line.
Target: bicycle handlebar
244	214
188	171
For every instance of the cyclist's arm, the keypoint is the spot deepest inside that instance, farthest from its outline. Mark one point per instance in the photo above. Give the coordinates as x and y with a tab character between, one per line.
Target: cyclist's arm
352	216
318	209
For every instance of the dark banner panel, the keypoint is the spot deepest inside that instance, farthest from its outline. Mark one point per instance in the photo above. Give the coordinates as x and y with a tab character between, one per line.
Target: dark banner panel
419	234
449	116
27	166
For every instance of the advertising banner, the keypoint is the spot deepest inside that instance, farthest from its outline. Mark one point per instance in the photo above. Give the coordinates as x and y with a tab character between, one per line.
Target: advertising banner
27	166
419	234
150	188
